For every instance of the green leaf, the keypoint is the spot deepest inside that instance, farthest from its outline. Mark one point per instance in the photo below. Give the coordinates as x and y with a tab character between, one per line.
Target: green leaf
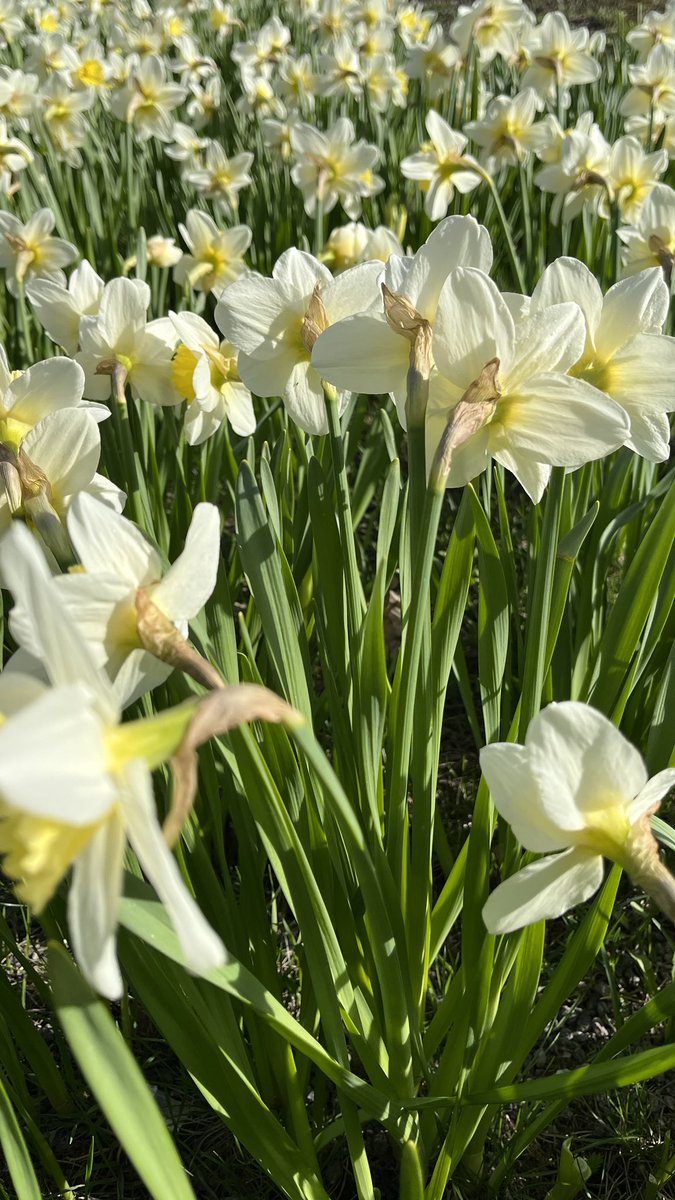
15	1151
584	1081
116	1081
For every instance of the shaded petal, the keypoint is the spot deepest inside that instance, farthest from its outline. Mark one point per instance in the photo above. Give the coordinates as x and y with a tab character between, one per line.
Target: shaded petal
45	387
543	890
52	759
562	421
515	795
362	354
202	947
304	399
93	903
651	794
549	340
638	304
568	279
107	543
189	582
473	325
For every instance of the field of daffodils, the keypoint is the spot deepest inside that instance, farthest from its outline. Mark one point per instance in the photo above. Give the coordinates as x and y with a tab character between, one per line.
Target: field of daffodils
337	557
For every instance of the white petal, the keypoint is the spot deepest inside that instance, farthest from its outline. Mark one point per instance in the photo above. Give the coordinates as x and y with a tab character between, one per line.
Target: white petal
582	763
45	387
267	375
473	325
561	421
543	890
354	291
93	903
252	312
549	340
515	795
641	374
304	399
532	475
52	759
652	794
64	652
635	305
122	313
202	947
362	354
187	585
568	279
108	543
66	445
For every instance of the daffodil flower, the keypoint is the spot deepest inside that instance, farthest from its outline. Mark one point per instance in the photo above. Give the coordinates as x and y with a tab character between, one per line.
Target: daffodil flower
576	792
119	338
205	371
276	322
30	252
538	416
442	166
216	255
625	354
362	353
651	241
75	786
103	598
59	309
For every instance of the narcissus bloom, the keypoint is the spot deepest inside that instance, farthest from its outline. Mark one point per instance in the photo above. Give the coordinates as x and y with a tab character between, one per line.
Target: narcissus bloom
576	792
59	309
216	255
103	597
442	165
363	353
534	415
119	338
331	166
205	372
147	100
625	355
559	57
75	786
651	241
276	322
30	252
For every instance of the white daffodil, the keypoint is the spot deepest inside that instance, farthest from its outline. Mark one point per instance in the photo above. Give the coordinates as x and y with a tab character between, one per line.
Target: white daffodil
46	387
216	255
363	353
63	111
625	355
434	62
275	323
18	97
532	415
147	100
163	251
59	309
656	28
103	599
633	173
185	144
576	792
340	71
507	132
30	252
296	81
120	339
222	178
559	58
15	156
75	786
651	242
332	167
492	25
580	174
40	477
653	84
442	166
205	372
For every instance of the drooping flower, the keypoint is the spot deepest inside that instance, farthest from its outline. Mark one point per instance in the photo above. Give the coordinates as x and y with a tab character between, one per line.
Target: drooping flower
103	597
576	792
88	790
